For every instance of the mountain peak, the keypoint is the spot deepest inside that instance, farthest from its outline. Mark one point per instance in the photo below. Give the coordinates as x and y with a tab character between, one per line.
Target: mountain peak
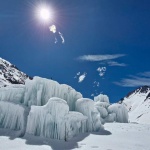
10	74
138	104
143	89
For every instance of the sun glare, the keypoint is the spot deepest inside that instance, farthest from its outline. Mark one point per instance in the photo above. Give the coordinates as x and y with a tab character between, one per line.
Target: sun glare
44	14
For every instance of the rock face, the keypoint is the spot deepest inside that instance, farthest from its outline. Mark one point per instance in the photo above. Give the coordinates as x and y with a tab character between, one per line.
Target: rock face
138	104
10	74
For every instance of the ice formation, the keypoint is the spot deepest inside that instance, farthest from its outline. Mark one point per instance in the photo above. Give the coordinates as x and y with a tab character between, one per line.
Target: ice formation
39	90
13	116
75	124
46	108
12	93
86	107
101	98
54	120
120	111
110	113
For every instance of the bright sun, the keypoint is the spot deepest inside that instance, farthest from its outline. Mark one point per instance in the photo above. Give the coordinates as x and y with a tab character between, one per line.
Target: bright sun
44	14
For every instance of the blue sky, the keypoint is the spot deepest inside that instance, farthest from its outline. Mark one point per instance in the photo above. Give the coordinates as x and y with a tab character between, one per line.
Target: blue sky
112	35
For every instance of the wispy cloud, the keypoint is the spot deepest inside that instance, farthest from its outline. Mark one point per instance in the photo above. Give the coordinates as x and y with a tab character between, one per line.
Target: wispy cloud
101	71
145	74
100	57
114	63
82	77
96	84
140	79
61	36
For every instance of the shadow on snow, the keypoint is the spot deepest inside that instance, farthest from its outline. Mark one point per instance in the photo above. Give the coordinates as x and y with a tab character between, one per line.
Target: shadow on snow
54	144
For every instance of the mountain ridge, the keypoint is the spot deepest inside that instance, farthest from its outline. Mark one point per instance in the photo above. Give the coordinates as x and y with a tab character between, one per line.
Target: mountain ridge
138	104
10	74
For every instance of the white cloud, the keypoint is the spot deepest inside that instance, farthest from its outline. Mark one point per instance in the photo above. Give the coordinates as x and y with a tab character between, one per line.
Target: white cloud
101	71
78	73
96	84
99	57
82	77
56	40
145	74
134	81
52	28
114	63
61	36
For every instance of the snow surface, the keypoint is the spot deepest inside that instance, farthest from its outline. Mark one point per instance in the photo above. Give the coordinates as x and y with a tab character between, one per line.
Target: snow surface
116	136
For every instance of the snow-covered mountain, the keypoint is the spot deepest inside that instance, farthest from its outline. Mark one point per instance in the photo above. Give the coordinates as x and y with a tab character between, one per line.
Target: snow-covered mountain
10	74
138	105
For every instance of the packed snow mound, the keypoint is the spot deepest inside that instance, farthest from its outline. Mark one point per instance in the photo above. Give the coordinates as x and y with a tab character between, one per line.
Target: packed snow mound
138	105
39	90
54	120
120	111
86	107
10	74
101	98
12	93
13	116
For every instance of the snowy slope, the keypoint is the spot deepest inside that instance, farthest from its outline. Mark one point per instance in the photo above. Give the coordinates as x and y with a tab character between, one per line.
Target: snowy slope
138	105
117	136
10	74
